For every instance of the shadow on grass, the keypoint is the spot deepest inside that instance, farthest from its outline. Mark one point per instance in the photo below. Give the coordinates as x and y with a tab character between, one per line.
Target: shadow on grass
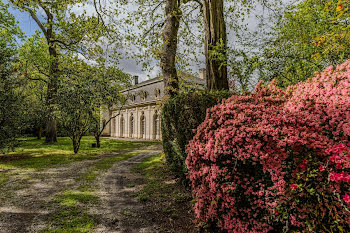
35	154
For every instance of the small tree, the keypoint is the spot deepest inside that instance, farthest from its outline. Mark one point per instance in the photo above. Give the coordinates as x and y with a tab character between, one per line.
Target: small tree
109	82
81	94
74	104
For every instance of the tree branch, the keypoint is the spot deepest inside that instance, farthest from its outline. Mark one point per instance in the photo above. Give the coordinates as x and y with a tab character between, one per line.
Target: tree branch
36	19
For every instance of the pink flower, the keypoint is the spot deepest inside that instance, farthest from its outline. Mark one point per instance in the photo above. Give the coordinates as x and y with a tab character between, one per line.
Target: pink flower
321	168
293	186
339	166
346	198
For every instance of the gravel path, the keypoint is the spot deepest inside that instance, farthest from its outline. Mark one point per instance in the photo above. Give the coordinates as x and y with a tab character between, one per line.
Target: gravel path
26	207
121	211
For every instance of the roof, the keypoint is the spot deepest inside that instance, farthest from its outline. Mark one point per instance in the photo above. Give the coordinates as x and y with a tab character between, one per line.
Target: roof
152	91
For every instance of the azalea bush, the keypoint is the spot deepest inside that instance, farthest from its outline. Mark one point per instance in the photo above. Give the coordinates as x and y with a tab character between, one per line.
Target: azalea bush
260	162
317	199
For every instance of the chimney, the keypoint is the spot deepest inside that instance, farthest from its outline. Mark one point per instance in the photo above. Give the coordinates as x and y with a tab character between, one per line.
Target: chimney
202	74
136	78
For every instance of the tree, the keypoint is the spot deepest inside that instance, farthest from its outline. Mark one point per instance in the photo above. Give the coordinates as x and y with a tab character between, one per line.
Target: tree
108	84
215	34
169	48
11	102
310	36
63	31
82	92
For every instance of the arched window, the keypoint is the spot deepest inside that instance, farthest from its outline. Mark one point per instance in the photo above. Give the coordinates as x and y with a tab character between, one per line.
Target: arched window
132	125
122	124
157	93
143	126
156	126
114	127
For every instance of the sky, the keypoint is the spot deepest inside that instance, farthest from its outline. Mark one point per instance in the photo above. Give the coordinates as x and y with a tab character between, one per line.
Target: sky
28	26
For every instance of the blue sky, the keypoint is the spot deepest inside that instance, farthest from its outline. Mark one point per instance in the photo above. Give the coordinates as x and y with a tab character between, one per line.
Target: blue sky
29	26
25	21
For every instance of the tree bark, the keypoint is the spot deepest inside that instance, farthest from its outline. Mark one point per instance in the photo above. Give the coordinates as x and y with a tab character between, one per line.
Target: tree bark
40	132
76	143
51	126
98	141
215	33
170	40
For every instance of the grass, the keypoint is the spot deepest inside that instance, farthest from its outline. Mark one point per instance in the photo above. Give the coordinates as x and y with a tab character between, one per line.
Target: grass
86	179
169	200
160	185
71	220
71	206
72	213
71	198
35	154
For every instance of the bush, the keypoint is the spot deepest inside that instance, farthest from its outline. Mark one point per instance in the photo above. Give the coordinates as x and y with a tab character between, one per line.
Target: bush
254	162
181	115
317	199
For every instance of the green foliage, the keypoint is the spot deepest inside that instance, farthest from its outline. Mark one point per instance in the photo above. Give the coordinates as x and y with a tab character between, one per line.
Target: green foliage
9	30
11	101
181	115
83	90
35	154
310	36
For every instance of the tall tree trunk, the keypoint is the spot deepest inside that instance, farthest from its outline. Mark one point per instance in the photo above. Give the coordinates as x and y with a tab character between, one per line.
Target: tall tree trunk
168	57
98	140
51	126
40	132
76	143
215	34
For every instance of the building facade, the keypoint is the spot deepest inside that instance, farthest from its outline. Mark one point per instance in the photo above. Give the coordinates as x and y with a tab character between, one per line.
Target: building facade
140	117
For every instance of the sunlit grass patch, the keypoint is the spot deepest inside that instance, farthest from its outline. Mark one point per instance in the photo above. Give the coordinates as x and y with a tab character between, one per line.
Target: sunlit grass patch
72	213
36	154
72	220
88	177
72	198
155	171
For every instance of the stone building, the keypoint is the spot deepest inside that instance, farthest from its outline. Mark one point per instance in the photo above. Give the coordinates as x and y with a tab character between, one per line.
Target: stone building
140	117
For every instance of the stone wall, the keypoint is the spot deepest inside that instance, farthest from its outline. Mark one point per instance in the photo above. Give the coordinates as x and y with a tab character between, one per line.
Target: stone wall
146	123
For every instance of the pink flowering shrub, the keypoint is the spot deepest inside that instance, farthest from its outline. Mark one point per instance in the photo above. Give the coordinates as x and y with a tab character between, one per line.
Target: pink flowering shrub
260	162
318	195
325	101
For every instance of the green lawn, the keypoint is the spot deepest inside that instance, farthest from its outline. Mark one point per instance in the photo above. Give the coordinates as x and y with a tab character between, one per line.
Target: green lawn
35	154
70	204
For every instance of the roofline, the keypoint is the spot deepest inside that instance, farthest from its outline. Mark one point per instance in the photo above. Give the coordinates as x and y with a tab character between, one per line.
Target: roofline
136	105
142	85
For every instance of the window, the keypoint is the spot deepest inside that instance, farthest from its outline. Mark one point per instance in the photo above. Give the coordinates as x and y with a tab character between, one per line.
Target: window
157	93
144	95
132	123
143	126
122	123
156	127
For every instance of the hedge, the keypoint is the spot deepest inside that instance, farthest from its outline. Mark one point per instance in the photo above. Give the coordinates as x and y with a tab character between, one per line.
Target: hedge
181	115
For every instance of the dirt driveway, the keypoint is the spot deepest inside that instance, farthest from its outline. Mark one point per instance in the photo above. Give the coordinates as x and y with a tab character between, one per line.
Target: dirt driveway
36	201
